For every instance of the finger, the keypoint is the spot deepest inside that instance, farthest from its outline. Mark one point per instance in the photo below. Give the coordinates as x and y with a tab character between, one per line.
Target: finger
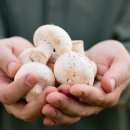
89	94
65	89
119	68
116	75
95	95
101	70
48	121
17	89
33	109
57	116
17	110
8	61
70	106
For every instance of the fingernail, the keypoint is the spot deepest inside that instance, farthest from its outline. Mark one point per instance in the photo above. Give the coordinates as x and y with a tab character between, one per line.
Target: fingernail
11	67
113	83
55	103
52	114
31	81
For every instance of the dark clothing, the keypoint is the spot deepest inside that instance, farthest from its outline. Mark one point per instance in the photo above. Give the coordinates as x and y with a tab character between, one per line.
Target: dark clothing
89	20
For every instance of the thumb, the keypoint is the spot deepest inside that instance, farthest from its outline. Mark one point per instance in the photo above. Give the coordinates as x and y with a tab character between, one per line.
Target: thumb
9	63
116	75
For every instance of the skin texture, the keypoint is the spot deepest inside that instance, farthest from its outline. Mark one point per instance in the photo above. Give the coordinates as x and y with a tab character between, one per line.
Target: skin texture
58	105
113	62
12	92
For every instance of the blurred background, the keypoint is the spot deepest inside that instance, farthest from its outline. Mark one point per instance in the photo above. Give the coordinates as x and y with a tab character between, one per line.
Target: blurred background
89	20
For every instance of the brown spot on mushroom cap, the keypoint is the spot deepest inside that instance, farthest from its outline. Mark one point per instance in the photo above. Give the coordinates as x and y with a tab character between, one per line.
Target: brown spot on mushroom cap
56	37
74	77
46	77
73	68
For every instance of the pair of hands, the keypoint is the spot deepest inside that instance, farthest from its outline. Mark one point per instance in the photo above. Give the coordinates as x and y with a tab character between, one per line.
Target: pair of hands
65	104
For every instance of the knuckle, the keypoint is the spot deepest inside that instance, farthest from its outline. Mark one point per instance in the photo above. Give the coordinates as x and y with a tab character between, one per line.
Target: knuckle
120	76
64	106
58	116
4	99
26	118
86	95
99	101
82	114
40	101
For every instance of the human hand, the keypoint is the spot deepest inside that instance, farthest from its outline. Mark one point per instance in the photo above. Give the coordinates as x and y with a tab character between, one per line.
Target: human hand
12	92
113	63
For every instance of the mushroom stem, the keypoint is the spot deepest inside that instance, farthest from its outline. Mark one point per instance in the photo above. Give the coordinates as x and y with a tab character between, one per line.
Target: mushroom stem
42	53
78	46
35	91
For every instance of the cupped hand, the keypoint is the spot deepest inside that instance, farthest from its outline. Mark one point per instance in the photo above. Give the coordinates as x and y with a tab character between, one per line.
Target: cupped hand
113	64
73	102
11	91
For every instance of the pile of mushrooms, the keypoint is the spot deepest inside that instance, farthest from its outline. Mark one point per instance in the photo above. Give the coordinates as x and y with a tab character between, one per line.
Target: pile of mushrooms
55	57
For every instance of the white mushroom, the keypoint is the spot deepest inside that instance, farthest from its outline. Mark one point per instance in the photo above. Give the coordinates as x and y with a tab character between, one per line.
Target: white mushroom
73	68
46	78
51	41
78	46
24	57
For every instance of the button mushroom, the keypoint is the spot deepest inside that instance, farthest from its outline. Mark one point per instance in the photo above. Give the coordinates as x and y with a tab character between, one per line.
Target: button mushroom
78	46
73	68
50	42
46	78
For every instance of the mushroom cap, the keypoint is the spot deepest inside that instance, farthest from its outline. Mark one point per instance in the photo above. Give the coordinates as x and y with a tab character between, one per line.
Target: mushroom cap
24	57
46	77
73	68
54	36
